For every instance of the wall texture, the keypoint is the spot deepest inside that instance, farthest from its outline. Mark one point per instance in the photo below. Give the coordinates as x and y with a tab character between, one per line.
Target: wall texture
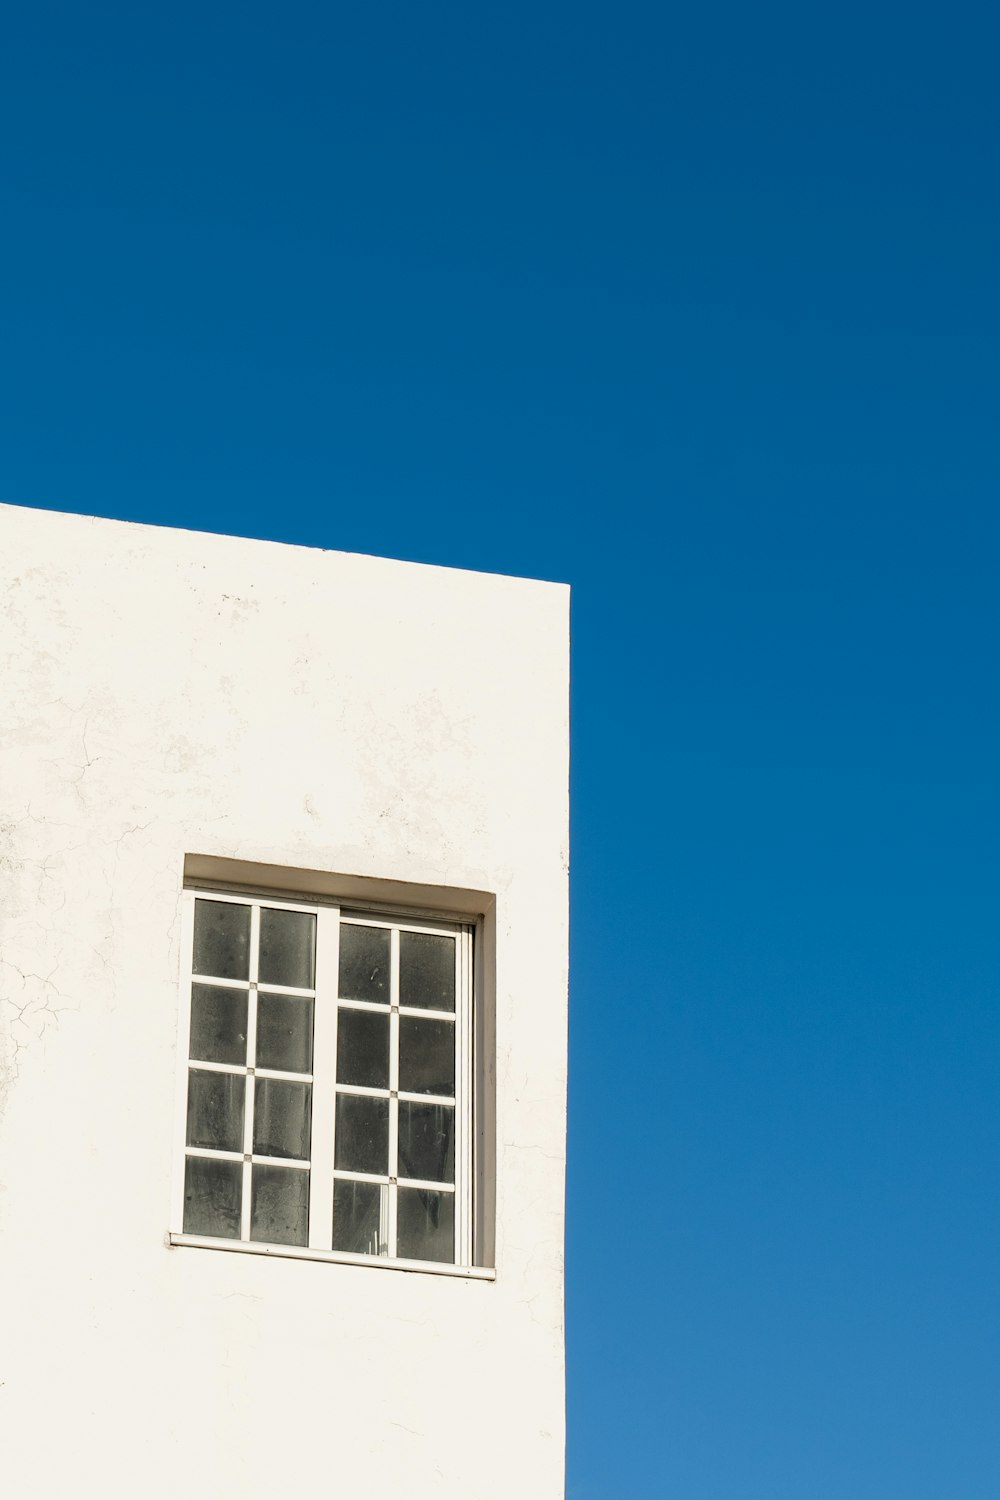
166	693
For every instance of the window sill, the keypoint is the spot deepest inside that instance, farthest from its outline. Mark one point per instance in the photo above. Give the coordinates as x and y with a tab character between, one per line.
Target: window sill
335	1257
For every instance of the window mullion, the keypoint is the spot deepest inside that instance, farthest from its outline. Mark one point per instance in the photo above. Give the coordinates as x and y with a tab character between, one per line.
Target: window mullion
324	1100
250	1086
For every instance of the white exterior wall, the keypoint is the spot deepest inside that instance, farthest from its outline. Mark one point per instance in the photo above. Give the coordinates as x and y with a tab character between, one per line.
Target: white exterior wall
167	693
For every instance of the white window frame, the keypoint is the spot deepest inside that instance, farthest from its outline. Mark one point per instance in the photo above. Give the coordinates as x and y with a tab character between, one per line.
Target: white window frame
325	1087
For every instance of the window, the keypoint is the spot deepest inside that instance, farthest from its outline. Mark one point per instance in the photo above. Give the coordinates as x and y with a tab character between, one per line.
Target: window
326	1102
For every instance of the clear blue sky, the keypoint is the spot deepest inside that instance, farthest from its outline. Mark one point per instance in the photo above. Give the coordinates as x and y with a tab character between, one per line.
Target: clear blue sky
696	308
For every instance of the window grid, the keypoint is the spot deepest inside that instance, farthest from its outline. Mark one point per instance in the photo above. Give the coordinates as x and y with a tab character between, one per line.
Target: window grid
323	1082
393	1179
250	1070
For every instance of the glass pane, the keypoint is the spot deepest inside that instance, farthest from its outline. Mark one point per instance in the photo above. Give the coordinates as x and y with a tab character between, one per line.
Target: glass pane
218	1024
222	939
279	1205
284	1033
425	1225
213	1197
426	1056
427	1141
282	1116
215	1110
364	963
427	970
362	1141
287	948
363	1049
359	1218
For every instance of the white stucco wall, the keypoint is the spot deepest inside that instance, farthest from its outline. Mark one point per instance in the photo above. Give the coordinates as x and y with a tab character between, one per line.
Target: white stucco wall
167	692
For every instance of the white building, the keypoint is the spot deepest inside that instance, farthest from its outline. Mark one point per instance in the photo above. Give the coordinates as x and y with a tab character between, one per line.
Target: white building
283	960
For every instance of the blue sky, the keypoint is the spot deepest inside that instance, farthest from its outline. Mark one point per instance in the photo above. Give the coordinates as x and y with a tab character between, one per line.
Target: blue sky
696	308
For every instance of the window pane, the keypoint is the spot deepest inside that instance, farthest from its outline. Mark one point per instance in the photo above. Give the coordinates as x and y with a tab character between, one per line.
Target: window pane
427	1141
426	1056
284	1033
218	1024
287	948
279	1205
363	1049
364	963
359	1218
425	1225
213	1197
362	1140
222	939
281	1118
215	1110
427	970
